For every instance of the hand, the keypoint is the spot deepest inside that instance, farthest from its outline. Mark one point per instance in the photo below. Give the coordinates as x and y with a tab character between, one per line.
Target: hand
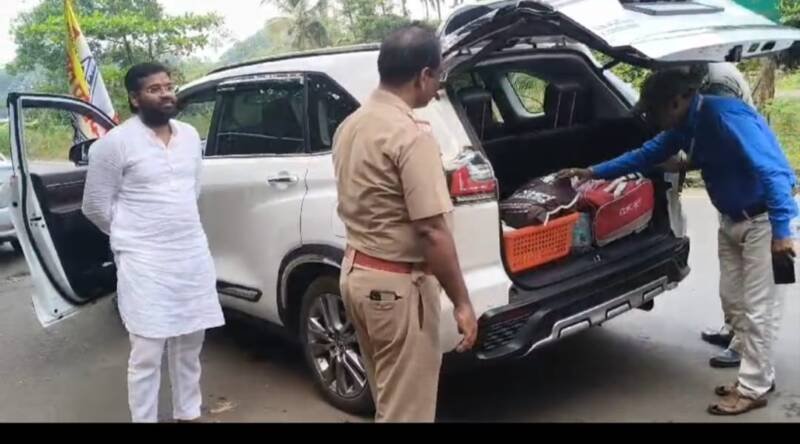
467	326
784	246
582	174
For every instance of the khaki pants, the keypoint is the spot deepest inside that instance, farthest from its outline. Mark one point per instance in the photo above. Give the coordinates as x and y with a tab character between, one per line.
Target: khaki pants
399	339
728	304
750	299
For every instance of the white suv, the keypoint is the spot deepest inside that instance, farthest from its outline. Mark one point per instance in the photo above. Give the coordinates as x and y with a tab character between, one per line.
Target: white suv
268	199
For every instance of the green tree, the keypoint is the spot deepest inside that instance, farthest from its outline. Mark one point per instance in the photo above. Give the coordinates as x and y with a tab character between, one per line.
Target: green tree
368	20
308	24
256	46
120	33
305	21
790	16
763	73
6	81
629	73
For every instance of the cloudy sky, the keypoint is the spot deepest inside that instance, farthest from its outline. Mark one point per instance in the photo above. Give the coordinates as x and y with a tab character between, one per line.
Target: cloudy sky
241	20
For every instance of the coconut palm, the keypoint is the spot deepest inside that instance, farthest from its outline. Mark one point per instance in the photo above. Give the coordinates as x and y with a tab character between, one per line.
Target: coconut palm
305	22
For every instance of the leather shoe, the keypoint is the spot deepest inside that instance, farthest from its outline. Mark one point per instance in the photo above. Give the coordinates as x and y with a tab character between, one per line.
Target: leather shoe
727	359
720	338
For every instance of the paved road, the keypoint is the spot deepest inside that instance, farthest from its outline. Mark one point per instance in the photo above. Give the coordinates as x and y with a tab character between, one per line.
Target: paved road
640	367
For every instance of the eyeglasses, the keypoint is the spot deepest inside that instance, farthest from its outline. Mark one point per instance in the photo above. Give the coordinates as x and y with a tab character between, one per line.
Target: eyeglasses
161	89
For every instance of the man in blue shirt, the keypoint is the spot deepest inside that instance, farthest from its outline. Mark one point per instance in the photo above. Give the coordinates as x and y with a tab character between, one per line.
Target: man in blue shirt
720	79
751	183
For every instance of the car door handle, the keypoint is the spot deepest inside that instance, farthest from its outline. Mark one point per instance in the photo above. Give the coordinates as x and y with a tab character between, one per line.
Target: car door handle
283	178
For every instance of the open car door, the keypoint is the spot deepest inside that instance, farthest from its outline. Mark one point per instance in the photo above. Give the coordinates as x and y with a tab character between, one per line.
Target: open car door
643	33
69	258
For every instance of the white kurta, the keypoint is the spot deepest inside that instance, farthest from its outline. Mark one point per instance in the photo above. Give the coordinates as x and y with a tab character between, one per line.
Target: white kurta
144	195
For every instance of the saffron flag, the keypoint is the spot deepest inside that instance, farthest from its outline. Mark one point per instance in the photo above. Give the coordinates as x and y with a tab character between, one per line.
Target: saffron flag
85	80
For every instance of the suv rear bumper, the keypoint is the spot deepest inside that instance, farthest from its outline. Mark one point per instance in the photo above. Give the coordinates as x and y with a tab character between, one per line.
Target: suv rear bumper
539	317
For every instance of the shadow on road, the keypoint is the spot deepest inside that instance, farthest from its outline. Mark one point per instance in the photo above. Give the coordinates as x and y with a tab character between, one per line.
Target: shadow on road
579	371
258	341
568	375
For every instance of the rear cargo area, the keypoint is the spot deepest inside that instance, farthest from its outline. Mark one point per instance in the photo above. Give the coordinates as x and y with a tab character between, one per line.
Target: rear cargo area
518	159
535	115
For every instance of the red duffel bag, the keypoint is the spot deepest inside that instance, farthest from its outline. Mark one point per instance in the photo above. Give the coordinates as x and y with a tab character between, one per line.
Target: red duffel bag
619	208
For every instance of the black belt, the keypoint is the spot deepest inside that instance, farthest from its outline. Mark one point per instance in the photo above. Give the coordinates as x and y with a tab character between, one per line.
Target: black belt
749	213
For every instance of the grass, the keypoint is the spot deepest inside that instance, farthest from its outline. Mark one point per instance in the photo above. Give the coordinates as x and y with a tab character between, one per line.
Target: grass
48	134
48	142
787	82
43	142
5	142
784	116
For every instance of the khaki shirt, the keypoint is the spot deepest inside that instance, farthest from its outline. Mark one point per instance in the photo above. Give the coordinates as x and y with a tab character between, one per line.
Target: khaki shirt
388	173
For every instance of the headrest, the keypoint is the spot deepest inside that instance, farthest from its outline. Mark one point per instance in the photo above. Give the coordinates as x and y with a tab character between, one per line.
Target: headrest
475	96
477	103
567	104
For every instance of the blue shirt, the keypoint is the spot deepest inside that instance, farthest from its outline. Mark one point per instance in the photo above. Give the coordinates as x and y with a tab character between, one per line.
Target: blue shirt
739	156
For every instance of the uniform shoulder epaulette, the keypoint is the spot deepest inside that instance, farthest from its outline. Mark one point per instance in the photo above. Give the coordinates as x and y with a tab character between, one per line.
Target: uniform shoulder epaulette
422	125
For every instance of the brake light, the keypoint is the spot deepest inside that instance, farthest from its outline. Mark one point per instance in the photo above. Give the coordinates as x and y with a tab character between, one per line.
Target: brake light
473	179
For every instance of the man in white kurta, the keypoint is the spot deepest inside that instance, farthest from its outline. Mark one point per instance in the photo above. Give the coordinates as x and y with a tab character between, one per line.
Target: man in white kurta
142	188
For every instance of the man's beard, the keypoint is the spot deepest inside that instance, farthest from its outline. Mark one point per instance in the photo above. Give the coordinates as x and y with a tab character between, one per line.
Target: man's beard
155	117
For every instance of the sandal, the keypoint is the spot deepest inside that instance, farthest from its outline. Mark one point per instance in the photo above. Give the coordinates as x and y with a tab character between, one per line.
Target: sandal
726	390
736	404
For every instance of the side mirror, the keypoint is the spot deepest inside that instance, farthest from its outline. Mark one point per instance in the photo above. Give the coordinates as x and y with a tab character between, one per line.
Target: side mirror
79	153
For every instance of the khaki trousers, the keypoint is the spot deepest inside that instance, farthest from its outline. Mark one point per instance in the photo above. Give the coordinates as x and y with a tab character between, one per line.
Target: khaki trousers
750	299
396	318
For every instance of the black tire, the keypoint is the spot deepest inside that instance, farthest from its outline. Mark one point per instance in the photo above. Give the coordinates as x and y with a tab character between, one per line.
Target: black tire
16	246
334	350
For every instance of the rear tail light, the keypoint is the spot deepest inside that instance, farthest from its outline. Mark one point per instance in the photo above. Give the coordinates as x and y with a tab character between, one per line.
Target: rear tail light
472	178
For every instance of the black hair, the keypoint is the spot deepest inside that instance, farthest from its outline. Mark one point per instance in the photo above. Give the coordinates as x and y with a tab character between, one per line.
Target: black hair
134	76
406	52
661	87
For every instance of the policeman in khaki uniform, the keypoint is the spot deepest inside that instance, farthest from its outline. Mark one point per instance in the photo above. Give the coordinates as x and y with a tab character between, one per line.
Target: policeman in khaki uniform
396	208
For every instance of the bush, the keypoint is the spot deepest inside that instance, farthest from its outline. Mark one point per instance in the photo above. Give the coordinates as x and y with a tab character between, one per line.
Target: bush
48	140
783	114
5	140
44	140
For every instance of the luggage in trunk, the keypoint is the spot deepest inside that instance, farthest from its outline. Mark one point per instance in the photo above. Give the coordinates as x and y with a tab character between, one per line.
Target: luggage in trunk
538	201
619	208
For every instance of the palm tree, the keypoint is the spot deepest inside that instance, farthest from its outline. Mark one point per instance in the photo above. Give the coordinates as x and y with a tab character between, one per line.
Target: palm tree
436	5
305	22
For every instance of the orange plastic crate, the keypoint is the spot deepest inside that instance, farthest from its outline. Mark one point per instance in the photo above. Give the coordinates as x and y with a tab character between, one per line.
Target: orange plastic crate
531	247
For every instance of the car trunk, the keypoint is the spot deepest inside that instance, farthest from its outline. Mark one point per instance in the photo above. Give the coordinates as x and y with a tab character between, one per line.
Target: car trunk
525	145
516	159
582	122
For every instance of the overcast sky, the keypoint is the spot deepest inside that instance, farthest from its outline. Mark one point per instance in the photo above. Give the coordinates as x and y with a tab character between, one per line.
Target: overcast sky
242	18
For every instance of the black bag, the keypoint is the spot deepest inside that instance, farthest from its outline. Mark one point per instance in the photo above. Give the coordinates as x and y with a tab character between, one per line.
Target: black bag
538	201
